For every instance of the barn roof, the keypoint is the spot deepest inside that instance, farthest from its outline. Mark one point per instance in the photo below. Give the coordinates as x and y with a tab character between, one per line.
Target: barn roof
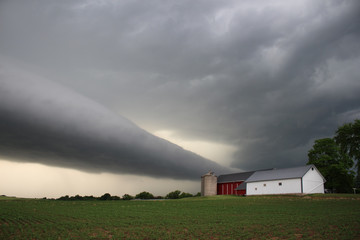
242	186
234	177
277	174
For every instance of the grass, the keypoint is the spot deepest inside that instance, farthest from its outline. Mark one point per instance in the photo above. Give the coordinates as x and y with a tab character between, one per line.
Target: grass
219	217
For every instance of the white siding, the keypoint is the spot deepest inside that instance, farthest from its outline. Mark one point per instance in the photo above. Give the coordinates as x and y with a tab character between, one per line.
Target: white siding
273	187
313	182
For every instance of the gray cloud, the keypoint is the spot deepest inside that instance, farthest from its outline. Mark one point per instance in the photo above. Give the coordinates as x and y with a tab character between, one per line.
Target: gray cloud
268	77
41	121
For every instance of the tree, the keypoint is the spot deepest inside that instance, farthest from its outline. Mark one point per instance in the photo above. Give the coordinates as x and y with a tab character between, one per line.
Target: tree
185	195
144	195
333	164
89	198
173	195
115	198
77	197
127	197
64	198
348	138
106	196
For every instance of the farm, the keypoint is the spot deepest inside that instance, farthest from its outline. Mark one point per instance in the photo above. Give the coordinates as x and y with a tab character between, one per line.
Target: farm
218	217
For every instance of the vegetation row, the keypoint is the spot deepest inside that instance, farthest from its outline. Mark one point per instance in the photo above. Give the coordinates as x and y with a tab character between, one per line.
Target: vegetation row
338	158
143	195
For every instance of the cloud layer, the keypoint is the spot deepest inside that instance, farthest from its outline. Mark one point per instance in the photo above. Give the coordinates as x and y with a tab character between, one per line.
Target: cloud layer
267	77
41	121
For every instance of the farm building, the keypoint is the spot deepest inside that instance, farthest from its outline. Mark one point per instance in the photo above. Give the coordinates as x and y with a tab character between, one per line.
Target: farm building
229	184
208	184
306	179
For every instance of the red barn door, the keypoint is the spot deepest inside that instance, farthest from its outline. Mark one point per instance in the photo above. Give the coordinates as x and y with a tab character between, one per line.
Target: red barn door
229	188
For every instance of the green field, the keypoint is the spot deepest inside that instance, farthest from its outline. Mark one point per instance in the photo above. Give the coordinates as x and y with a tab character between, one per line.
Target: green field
268	217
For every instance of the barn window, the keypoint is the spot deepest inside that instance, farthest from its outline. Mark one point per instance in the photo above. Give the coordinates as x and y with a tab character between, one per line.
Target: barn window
312	169
264	184
280	183
255	188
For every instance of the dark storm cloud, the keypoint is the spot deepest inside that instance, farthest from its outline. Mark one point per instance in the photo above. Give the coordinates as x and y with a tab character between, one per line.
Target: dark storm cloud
267	77
43	122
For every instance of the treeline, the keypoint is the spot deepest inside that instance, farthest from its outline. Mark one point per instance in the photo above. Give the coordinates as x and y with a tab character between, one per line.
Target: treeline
338	158
143	195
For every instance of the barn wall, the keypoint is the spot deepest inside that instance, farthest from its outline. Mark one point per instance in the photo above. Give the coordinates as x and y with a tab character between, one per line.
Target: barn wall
313	182
229	188
273	187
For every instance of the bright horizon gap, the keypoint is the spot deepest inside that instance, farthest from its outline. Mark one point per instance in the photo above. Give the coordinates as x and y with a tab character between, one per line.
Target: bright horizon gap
220	153
38	181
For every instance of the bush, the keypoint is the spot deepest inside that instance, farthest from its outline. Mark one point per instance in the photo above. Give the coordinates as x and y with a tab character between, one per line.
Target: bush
144	195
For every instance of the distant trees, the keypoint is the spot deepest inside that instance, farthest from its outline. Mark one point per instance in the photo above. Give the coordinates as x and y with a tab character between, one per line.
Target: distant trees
173	195
178	194
185	195
63	198
107	196
104	197
76	197
334	157
348	138
127	197
333	164
144	195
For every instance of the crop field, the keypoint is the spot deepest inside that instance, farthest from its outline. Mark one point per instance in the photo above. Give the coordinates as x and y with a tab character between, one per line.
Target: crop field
219	217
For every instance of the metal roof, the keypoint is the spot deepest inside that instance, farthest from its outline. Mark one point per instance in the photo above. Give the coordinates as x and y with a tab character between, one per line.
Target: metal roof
277	174
234	177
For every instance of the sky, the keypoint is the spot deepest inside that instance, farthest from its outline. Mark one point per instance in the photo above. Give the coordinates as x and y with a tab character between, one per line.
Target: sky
125	96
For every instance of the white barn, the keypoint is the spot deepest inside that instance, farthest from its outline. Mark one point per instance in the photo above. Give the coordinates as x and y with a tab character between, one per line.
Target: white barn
306	179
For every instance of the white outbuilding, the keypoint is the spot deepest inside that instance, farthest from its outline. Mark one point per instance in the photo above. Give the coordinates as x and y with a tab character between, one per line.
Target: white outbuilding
304	180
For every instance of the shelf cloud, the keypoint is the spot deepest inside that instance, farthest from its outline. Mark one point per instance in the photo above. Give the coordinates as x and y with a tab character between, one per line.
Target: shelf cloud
43	122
